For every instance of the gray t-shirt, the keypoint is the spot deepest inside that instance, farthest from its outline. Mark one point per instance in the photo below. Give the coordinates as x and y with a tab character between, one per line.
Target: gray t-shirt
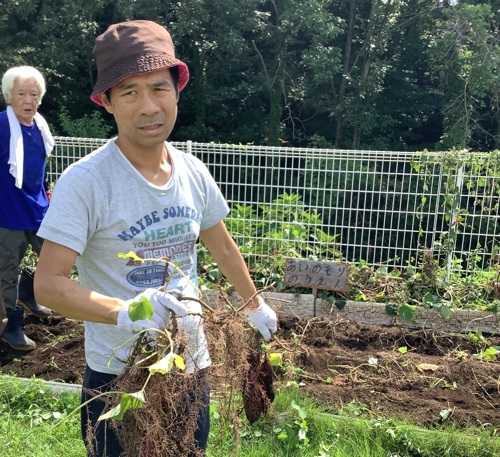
102	206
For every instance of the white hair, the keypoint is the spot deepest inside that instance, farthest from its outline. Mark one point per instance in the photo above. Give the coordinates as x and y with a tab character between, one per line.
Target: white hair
22	72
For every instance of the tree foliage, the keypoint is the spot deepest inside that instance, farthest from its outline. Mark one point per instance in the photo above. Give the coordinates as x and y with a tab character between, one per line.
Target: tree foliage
380	74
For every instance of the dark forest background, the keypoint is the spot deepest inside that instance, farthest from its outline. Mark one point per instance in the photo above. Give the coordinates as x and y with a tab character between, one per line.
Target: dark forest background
367	74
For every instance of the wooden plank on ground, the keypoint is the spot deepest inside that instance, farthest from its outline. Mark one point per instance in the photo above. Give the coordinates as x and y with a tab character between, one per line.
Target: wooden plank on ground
369	313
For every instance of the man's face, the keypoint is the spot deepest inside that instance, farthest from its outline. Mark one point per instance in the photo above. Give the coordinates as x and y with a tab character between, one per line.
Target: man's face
145	109
24	99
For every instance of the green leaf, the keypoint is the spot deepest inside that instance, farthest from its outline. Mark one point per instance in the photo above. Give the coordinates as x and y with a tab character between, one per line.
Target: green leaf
340	304
391	309
476	338
276	359
489	354
301	412
179	362
130	255
444	311
406	312
445	413
164	365
282	436
128	401
403	349
140	310
360	296
431	300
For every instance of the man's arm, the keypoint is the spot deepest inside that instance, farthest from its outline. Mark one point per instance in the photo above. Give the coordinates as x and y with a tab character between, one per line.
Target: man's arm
54	288
227	255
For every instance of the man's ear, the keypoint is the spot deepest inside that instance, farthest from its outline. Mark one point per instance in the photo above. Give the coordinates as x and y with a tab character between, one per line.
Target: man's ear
106	102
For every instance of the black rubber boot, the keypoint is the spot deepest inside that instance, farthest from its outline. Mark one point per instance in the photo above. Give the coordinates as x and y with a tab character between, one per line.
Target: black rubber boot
26	295
14	335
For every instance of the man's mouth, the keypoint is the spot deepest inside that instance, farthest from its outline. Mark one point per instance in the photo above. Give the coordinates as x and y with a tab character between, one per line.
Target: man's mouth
151	127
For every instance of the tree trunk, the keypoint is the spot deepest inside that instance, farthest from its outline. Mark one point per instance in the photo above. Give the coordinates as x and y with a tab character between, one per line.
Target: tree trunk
339	110
273	85
365	69
356	137
275	110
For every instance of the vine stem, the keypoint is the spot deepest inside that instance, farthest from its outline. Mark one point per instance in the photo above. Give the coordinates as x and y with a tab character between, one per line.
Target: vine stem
257	292
201	302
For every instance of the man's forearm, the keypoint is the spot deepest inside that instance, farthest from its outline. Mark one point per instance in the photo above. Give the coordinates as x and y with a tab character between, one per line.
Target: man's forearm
231	263
227	255
68	298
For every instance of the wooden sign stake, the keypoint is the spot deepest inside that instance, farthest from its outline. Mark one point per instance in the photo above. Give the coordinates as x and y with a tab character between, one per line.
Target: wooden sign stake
315	295
316	275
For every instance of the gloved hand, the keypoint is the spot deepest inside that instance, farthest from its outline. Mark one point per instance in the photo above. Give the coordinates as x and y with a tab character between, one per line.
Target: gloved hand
196	348
264	319
162	303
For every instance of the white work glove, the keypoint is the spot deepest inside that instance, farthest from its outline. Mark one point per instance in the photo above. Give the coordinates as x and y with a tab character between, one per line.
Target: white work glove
196	349
162	302
263	319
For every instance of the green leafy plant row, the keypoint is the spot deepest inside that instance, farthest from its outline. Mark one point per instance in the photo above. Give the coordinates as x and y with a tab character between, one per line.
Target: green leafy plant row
268	234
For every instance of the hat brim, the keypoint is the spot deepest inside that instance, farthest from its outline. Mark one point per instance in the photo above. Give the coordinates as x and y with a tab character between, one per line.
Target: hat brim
101	87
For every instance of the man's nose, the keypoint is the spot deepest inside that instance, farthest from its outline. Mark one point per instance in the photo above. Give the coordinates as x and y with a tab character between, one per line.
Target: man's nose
149	104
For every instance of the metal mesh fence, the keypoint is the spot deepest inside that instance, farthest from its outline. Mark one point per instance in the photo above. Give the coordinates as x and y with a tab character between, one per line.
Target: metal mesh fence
376	207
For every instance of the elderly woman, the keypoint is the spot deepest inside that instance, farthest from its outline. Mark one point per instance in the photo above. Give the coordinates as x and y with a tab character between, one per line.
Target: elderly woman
25	143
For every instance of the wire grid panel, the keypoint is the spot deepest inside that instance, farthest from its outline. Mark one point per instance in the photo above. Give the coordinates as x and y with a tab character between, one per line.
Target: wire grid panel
67	151
374	206
477	214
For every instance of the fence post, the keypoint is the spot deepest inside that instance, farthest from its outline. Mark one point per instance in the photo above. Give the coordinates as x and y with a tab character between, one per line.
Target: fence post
189	147
459	180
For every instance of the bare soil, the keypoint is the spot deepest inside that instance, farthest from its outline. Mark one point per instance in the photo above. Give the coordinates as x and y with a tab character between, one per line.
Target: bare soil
342	362
59	355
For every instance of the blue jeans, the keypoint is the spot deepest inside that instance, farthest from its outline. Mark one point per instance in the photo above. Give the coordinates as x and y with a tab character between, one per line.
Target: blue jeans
105	442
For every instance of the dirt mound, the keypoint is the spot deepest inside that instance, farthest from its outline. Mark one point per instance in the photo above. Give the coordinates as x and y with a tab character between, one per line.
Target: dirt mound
396	372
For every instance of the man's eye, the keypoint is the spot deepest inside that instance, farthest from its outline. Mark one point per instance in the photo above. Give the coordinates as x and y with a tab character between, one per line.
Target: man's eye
128	93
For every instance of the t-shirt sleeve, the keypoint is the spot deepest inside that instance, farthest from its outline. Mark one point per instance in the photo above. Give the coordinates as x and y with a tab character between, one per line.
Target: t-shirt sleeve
216	207
71	217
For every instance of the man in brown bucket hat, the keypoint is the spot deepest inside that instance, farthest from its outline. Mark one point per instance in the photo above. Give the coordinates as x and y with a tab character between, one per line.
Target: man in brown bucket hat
132	48
137	193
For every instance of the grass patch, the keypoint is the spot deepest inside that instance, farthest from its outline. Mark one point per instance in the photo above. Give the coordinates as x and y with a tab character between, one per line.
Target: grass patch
37	423
30	421
298	427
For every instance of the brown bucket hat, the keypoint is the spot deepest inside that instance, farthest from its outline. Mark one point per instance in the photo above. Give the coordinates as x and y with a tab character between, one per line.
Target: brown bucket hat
131	48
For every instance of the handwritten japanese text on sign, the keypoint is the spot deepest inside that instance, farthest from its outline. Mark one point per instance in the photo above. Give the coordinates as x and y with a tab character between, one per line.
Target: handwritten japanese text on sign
316	275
